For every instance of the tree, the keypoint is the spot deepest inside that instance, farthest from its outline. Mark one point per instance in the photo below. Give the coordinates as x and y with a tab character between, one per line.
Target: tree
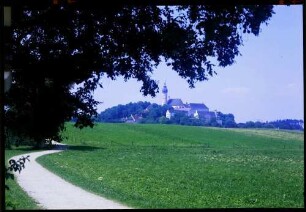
179	117
228	120
154	112
117	113
56	47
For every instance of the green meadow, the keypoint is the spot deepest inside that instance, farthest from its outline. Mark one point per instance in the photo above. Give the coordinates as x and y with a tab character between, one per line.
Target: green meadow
169	166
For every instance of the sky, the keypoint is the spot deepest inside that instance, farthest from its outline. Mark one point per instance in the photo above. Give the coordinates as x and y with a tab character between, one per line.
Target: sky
264	84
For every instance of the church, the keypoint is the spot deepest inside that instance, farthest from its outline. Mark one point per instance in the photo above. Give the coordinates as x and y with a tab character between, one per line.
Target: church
195	110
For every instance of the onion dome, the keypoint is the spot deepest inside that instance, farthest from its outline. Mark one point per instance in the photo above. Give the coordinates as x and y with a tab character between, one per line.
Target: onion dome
165	90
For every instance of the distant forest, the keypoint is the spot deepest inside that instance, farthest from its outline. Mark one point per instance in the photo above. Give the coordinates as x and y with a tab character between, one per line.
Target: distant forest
146	112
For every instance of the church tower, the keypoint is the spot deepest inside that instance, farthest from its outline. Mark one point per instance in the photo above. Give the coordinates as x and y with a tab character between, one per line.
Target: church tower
165	94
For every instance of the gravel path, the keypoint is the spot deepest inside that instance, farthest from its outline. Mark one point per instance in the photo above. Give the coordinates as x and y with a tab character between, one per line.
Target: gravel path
52	192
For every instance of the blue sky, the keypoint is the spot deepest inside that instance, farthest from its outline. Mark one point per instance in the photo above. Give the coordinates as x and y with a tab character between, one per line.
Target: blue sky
265	83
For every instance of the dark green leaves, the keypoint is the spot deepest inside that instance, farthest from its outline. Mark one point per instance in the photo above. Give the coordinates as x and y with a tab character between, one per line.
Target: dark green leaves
54	48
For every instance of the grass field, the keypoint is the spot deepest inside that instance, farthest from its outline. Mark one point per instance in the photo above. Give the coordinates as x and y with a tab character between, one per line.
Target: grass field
168	166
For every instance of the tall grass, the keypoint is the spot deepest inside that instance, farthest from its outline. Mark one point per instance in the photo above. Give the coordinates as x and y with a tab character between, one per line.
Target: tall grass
167	166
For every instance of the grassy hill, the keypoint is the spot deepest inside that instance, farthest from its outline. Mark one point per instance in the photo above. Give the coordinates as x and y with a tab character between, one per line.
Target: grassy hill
168	166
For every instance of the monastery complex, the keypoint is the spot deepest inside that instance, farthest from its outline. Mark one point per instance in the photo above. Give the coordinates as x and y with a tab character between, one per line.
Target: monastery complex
196	110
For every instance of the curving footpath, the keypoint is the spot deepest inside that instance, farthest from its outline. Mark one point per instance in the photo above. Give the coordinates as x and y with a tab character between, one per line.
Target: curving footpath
52	192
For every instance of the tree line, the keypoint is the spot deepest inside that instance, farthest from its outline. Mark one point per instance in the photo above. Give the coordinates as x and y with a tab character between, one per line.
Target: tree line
286	124
151	113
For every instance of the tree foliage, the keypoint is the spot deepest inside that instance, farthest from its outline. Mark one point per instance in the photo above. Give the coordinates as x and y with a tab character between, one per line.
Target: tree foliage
119	112
285	124
228	120
57	47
